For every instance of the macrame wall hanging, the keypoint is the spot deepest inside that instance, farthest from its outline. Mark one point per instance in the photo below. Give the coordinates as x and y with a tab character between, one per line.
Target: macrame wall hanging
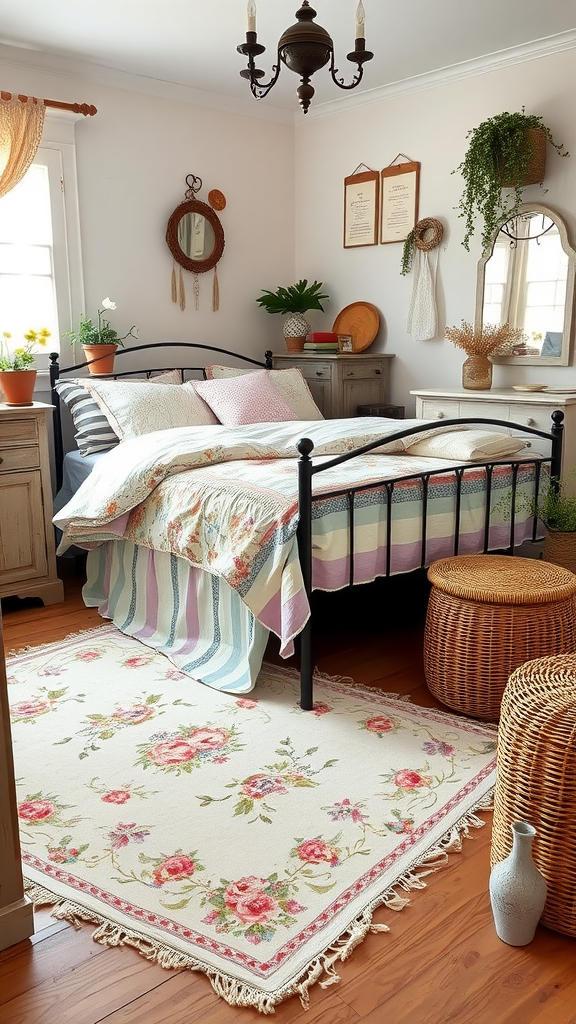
195	238
426	236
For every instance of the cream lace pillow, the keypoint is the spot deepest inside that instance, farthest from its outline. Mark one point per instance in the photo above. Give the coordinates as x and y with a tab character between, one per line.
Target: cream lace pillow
290	384
132	411
467	445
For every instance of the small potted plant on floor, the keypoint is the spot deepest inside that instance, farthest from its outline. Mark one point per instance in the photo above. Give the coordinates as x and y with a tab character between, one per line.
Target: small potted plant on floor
17	377
100	340
506	152
296	300
556	510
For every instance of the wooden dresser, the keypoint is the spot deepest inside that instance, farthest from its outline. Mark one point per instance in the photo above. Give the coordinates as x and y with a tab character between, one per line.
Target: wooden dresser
27	556
530	408
340	382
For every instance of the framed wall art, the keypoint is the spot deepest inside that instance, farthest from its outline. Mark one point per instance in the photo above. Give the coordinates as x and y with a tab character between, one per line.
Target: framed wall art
361	194
399	203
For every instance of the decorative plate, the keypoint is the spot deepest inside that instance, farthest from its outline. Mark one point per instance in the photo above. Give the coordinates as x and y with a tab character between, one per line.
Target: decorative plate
217	199
361	320
529	387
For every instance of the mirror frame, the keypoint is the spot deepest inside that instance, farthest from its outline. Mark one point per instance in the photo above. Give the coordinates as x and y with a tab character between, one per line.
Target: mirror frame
564	358
195	266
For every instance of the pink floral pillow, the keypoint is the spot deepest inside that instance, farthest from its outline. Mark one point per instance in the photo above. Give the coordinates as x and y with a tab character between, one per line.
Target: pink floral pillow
252	398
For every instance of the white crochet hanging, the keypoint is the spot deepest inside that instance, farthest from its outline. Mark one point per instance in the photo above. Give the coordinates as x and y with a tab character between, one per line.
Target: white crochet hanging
422	322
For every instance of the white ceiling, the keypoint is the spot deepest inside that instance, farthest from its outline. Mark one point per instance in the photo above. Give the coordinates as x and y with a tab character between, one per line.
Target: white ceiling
192	43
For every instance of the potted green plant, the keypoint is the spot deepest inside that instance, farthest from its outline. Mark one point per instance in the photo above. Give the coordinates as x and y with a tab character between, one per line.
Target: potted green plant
501	159
556	510
99	340
17	377
296	300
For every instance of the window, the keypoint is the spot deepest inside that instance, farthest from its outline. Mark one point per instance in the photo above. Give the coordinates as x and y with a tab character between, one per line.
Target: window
40	285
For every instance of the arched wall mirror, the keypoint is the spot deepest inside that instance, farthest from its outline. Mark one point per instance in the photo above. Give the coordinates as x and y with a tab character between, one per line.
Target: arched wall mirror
195	236
527	279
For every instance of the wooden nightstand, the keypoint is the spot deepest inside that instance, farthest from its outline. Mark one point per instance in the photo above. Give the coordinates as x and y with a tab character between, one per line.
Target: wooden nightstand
27	556
340	382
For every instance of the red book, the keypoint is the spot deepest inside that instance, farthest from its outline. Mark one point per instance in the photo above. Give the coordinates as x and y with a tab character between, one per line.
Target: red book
323	336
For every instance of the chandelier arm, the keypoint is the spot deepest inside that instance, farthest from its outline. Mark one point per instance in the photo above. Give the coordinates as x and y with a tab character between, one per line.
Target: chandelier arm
340	81
358	57
261	89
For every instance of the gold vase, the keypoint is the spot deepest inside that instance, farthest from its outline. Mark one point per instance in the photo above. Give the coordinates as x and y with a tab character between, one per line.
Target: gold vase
477	373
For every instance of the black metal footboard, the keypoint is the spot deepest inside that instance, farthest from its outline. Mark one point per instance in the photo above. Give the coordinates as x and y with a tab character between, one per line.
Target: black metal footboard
307	470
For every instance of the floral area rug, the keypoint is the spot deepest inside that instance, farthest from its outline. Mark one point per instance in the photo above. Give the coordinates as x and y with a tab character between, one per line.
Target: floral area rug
240	837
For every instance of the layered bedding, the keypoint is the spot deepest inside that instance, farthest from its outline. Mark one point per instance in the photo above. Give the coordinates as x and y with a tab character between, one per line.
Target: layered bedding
192	530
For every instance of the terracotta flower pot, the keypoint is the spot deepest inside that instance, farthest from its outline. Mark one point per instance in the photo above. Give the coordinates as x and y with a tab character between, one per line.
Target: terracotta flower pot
104	356
18	386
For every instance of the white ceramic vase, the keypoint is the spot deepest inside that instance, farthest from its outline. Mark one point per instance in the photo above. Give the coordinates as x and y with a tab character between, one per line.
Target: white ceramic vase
517	890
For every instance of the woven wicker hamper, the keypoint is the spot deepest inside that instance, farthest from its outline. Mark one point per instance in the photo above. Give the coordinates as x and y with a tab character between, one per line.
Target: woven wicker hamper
536	778
487	614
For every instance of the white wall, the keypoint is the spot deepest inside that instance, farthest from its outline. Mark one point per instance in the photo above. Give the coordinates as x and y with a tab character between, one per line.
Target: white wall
429	126
133	157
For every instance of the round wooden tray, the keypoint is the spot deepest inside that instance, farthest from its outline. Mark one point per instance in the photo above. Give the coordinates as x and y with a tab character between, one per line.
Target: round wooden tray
361	320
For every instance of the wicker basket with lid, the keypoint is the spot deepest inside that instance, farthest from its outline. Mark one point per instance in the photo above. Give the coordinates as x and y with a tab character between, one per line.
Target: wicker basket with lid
536	777
487	614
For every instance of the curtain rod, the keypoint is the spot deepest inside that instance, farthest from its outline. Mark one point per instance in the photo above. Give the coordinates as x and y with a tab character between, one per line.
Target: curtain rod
78	108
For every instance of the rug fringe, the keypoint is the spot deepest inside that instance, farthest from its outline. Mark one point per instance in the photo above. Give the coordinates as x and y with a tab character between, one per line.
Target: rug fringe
57	643
322	969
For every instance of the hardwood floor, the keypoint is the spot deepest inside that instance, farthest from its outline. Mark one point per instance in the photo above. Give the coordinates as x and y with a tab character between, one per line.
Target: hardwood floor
441	963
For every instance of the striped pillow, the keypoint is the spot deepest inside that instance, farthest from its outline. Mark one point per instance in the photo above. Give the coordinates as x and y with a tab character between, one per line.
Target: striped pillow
93	430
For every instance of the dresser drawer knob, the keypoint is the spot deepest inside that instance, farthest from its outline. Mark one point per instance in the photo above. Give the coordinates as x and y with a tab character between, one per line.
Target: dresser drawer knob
440	415
1	459
530	422
377	372
318	373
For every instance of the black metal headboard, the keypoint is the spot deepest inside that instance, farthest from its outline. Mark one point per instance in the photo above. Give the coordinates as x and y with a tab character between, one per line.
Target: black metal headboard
56	372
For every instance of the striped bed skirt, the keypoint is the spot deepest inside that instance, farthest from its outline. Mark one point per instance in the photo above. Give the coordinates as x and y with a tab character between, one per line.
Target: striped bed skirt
192	617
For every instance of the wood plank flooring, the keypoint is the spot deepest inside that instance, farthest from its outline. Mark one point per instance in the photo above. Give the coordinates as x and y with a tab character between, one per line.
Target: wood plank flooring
441	963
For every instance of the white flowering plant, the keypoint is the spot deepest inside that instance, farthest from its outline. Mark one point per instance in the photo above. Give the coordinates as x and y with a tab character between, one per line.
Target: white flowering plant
100	333
21	358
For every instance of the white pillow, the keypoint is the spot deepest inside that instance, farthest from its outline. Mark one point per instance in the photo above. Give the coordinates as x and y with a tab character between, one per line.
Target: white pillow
134	411
467	445
290	384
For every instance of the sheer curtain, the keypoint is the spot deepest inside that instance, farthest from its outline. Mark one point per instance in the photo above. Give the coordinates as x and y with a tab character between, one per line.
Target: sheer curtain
21	126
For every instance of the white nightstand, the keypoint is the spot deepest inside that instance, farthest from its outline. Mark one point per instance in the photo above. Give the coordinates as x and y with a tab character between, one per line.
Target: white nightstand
530	408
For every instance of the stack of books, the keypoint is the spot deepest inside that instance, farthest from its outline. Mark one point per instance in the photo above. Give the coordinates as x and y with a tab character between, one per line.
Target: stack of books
321	341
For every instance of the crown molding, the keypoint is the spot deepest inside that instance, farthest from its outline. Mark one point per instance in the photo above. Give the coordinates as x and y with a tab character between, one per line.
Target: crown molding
545	47
67	67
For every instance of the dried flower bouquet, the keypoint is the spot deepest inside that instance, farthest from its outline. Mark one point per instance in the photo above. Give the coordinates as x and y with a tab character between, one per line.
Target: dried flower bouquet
501	338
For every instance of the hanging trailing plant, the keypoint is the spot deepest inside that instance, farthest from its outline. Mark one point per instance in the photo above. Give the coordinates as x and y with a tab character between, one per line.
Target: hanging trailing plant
407	253
494	169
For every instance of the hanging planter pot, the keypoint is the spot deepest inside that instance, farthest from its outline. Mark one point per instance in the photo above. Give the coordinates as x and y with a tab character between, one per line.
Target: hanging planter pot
18	386
505	152
536	169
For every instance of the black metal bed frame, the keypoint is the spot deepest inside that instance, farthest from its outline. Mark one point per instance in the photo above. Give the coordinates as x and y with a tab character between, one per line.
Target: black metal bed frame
307	470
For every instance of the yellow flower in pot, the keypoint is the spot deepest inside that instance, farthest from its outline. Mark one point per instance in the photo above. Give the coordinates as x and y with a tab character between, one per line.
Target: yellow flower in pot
17	378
